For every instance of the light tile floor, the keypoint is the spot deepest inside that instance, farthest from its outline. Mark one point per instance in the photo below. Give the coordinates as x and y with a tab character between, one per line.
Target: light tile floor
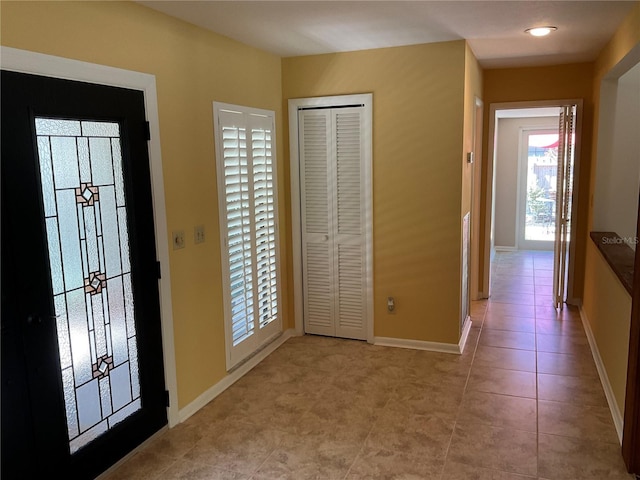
524	401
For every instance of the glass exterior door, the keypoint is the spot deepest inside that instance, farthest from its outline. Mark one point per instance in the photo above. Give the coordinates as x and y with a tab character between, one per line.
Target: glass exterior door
85	384
538	167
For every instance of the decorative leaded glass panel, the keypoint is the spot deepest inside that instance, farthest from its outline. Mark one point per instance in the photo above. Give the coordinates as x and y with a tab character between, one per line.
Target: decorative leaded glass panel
88	240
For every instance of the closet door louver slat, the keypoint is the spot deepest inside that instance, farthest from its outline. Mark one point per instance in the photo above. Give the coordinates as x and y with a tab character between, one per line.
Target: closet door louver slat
350	274
348	160
318	286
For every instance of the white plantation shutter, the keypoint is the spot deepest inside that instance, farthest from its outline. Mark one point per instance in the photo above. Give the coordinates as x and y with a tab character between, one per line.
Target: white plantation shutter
333	217
245	151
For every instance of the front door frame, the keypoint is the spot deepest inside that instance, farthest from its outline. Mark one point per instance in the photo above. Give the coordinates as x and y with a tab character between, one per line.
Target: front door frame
24	61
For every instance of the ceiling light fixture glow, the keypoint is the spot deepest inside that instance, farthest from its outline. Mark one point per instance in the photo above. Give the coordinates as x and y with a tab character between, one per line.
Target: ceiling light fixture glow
540	31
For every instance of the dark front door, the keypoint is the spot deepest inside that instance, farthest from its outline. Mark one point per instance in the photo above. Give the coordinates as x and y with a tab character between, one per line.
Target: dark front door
82	366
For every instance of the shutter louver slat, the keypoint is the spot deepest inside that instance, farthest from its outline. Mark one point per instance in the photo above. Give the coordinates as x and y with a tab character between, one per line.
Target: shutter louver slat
238	251
263	224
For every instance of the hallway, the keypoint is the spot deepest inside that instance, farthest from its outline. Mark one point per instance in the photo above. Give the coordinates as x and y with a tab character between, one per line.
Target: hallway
524	401
527	350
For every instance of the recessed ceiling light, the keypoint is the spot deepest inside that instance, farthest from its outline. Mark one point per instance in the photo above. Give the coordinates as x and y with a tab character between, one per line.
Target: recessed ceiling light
540	31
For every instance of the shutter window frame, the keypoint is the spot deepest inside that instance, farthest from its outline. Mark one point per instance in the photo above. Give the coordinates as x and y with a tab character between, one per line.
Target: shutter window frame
245	141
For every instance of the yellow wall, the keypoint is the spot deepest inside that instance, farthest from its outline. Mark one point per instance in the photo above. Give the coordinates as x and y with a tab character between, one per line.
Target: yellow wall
607	307
558	82
193	68
422	129
606	304
418	120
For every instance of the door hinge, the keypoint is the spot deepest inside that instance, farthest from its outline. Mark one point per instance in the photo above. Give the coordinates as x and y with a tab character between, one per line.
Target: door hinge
166	395
158	272
147	130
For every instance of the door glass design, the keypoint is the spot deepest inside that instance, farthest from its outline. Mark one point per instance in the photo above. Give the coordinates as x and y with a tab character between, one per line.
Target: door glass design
87	236
540	198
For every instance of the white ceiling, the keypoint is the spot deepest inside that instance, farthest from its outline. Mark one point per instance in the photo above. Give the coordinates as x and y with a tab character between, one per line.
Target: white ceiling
494	29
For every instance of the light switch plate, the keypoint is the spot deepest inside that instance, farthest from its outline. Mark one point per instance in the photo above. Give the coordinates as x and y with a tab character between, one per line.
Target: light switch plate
178	239
198	234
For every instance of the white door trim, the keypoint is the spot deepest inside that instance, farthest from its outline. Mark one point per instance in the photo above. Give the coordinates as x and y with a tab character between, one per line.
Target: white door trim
476	195
489	248
24	61
296	219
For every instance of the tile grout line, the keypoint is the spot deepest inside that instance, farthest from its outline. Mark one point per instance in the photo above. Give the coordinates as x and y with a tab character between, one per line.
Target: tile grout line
535	329
464	390
364	442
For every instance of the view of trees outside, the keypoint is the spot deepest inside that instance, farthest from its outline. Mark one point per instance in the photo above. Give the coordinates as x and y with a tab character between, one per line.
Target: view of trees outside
542	167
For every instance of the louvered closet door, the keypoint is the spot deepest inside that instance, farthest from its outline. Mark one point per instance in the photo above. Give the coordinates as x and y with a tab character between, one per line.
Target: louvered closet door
333	222
348	223
317	252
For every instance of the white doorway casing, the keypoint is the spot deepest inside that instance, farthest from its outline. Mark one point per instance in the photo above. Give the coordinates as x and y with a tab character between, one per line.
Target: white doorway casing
524	108
476	191
366	100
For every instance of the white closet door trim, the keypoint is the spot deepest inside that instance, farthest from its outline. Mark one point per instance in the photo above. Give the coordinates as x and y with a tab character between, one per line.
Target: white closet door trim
296	221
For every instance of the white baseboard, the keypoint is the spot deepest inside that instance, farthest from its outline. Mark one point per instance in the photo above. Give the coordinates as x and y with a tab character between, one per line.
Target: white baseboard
233	377
575	302
466	328
618	419
499	248
428	346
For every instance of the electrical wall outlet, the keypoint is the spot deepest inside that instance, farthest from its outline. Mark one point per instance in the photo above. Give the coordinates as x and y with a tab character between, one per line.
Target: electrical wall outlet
391	304
198	234
178	239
